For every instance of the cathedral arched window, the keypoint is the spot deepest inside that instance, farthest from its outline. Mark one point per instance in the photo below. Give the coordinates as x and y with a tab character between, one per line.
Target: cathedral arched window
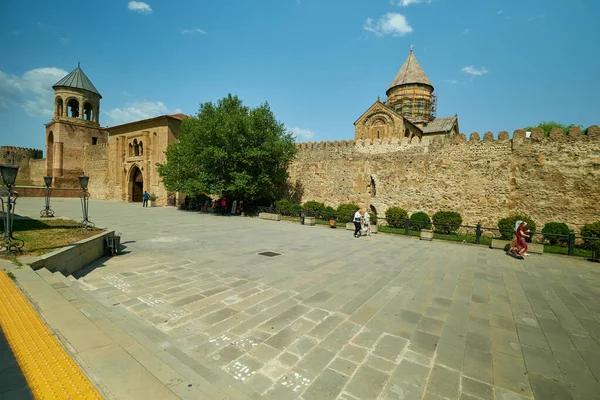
130	154
141	148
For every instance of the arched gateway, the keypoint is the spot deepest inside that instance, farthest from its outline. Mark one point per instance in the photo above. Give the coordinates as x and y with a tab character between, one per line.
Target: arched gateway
136	184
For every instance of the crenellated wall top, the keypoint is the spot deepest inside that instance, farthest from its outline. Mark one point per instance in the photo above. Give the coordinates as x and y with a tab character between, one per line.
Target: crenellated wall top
474	138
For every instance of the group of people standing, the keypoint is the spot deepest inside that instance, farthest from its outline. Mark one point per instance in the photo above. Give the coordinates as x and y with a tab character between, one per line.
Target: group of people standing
362	222
222	207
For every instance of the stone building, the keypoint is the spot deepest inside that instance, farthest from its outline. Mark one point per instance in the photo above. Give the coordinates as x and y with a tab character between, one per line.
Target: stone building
121	168
410	109
75	124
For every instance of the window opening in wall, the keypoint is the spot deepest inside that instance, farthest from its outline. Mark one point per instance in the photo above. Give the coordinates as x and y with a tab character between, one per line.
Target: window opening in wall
141	149
377	134
136	148
373	188
87	111
94	141
130	150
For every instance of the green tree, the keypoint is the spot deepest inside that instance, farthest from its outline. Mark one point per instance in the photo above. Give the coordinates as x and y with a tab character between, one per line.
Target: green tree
230	148
547	127
395	217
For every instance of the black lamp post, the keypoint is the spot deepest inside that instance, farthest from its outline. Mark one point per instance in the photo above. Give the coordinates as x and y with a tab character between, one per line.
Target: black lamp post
47	212
83	182
9	176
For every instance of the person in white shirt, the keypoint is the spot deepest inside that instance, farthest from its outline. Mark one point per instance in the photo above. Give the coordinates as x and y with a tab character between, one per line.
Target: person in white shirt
367	219
357	220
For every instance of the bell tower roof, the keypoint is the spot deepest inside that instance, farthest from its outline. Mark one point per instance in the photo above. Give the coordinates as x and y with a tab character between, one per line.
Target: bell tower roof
411	72
78	80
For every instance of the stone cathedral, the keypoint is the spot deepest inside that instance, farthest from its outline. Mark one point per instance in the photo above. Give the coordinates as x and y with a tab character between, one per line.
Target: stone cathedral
409	111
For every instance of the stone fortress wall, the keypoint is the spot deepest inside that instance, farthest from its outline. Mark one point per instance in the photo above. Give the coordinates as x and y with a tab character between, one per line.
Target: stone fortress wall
95	165
555	178
29	161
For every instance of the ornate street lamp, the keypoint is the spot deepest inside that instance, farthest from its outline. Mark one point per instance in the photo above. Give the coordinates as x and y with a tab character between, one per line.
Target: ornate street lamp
47	212
83	182
9	176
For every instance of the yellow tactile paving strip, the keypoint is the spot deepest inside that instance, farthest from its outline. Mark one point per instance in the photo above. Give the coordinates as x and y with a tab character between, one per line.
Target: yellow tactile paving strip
50	372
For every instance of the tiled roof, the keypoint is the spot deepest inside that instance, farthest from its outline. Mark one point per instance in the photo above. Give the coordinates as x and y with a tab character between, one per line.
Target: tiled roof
178	116
411	72
78	80
441	125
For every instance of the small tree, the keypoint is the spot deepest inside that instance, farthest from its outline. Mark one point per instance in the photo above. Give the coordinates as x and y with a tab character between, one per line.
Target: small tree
556	228
591	231
345	212
446	222
395	217
507	225
420	220
314	208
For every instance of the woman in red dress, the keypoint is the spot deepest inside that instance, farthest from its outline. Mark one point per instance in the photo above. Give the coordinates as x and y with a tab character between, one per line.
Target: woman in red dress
521	235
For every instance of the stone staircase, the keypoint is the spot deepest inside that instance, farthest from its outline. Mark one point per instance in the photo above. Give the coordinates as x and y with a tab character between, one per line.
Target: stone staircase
124	356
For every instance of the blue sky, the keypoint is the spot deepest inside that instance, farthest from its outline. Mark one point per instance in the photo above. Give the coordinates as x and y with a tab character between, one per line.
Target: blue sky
498	64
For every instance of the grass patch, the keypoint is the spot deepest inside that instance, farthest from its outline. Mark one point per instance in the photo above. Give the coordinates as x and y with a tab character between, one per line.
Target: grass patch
579	252
44	236
11	275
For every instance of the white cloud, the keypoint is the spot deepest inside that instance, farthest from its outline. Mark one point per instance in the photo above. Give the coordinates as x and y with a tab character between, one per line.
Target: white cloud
450	81
406	3
139	110
64	41
191	31
390	24
300	133
500	12
32	91
139	7
471	70
467	30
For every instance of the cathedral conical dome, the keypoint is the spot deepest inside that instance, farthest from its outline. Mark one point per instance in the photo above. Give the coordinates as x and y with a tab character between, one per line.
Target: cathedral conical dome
411	72
77	80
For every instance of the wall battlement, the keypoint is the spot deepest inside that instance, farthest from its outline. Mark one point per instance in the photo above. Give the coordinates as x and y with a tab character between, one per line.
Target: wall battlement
6	153
395	144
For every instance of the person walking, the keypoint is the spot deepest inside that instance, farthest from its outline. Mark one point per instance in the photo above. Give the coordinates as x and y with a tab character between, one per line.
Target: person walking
233	206
357	220
521	235
145	198
223	205
367	219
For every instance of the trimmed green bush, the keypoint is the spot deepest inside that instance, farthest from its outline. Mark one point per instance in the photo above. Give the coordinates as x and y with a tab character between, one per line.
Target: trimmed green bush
395	217
441	218
328	212
556	228
314	209
295	210
507	225
284	206
591	231
420	220
345	212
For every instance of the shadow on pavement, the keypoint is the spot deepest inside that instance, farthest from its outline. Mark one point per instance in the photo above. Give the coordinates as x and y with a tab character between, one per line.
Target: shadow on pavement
12	382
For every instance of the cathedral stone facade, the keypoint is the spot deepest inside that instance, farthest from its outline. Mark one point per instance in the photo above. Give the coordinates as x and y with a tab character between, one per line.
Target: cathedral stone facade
410	109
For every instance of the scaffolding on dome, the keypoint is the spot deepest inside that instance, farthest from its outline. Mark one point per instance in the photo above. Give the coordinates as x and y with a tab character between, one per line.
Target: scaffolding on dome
416	105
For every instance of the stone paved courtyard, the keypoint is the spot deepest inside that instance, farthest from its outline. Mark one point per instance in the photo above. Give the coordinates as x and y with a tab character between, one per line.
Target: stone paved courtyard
335	317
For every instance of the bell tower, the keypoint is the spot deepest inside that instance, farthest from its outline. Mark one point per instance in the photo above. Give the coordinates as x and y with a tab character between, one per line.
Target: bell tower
411	93
75	125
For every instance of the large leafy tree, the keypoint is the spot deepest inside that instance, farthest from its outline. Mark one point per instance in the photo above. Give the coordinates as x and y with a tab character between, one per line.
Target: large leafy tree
230	148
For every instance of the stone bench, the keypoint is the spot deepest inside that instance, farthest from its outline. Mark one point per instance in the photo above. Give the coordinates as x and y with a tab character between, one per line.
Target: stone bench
531	247
269	216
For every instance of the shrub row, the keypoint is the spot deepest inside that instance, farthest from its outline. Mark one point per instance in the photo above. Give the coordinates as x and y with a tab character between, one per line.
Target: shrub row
445	222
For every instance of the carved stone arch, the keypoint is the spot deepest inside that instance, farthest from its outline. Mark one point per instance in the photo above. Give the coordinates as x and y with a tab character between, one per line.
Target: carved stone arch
379	125
72	103
58	106
135	183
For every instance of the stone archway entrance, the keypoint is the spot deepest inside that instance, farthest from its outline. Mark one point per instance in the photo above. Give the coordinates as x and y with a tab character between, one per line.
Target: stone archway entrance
137	185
